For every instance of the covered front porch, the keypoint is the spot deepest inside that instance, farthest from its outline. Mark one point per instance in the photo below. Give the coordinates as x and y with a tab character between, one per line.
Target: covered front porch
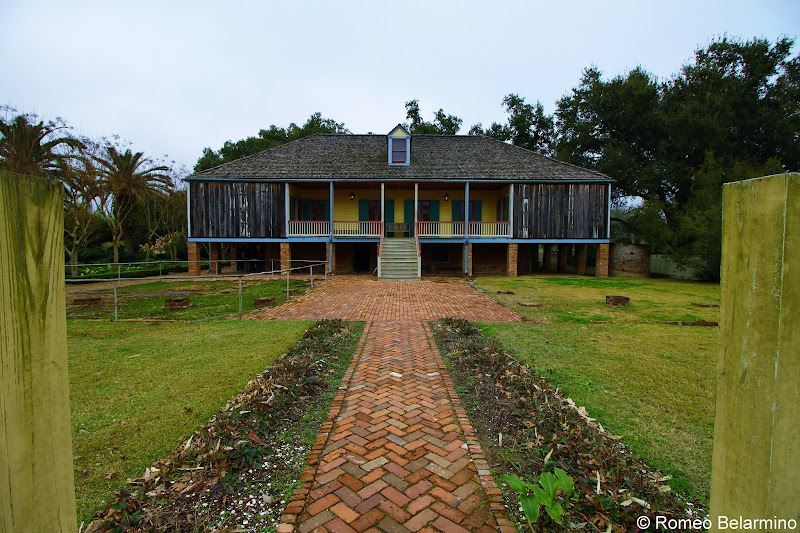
425	211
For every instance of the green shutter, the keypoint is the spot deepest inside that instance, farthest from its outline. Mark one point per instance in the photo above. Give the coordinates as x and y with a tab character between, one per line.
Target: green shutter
388	214
363	212
435	210
476	207
326	210
499	209
306	210
408	216
388	211
292	209
457	211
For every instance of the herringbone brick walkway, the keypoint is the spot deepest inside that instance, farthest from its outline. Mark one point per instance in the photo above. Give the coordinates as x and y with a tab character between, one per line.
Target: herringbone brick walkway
397	453
363	298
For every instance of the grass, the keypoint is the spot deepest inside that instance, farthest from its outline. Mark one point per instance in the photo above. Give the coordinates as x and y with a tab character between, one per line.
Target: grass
653	384
208	299
137	390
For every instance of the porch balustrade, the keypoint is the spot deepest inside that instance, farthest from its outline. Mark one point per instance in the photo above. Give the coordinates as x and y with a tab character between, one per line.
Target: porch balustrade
489	229
440	229
355	228
309	228
425	229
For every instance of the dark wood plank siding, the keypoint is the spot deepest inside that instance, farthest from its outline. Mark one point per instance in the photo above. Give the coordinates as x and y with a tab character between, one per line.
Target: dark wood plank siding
237	210
561	211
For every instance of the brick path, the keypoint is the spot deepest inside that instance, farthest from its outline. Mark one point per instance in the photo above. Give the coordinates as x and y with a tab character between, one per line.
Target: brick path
397	453
364	298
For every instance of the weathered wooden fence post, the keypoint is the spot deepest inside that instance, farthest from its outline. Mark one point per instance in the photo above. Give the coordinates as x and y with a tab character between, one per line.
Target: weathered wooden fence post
37	491
756	465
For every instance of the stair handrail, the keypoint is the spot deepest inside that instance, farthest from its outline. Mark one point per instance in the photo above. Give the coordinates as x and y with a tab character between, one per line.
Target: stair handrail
419	251
380	250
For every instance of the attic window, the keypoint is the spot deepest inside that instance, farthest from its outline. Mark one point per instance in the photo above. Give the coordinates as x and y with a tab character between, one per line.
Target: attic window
399	150
399	146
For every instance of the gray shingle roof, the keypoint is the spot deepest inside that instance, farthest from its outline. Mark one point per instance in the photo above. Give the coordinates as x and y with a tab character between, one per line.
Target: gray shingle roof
364	157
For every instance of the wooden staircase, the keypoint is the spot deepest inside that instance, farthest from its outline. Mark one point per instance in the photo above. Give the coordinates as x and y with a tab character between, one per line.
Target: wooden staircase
399	259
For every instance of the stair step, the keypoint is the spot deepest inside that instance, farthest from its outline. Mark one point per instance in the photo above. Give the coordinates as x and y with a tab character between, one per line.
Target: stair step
399	259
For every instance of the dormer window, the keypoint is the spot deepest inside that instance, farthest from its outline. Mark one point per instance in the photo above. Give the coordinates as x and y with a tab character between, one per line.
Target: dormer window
399	145
399	150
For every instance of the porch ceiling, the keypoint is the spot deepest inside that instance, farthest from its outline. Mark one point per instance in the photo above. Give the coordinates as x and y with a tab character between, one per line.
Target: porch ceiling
402	186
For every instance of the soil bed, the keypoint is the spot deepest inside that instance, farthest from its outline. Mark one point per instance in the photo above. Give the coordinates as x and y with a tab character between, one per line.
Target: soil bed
526	427
238	472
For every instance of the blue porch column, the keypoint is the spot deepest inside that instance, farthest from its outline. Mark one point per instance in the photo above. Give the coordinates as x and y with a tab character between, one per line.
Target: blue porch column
330	238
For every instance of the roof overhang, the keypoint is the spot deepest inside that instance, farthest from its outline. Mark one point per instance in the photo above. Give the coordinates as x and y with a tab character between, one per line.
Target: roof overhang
397	180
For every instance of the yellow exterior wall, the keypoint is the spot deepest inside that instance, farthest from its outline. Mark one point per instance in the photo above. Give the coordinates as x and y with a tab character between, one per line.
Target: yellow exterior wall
346	209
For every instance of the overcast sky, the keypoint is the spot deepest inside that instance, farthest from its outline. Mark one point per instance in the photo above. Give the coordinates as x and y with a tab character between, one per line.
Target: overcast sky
173	77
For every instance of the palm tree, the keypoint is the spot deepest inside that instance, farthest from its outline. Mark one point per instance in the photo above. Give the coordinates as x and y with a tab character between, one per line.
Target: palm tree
126	178
34	149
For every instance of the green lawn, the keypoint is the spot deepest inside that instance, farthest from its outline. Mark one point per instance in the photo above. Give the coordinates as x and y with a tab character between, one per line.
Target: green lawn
653	384
139	389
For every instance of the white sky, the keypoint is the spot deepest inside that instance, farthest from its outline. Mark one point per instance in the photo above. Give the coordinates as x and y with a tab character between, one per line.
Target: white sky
173	77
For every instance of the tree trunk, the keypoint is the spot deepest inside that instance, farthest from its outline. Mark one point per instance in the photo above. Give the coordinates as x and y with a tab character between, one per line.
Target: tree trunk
115	241
73	258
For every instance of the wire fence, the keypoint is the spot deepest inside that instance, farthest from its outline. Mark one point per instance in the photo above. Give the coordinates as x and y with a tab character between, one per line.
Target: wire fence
137	269
211	294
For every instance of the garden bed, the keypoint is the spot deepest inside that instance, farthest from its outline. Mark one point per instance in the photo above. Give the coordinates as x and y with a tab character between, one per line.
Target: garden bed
209	299
527	427
237	473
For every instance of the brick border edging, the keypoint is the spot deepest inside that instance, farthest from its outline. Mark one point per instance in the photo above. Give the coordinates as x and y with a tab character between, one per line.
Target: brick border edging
289	517
493	492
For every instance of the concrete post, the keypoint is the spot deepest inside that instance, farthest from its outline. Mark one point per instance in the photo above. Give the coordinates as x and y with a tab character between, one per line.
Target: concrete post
194	258
756	464
511	259
601	268
563	251
286	256
547	258
580	259
37	490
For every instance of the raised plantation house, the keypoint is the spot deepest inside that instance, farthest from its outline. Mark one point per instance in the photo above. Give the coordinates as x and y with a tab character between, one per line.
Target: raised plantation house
402	206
